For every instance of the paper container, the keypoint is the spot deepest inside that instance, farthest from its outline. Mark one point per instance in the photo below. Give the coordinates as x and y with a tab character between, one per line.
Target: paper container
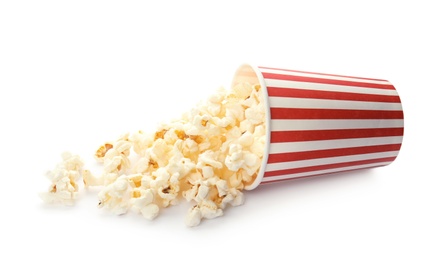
322	123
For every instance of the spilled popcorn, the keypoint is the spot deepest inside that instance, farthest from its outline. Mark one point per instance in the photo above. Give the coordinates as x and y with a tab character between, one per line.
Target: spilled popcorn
207	157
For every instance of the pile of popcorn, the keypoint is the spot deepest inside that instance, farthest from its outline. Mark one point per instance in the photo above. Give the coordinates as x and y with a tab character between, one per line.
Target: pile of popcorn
207	157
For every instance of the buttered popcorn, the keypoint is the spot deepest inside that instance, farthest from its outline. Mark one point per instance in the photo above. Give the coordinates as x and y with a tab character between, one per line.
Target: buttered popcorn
206	157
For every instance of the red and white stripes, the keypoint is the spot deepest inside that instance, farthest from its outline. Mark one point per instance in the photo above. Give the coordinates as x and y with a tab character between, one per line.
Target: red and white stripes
321	123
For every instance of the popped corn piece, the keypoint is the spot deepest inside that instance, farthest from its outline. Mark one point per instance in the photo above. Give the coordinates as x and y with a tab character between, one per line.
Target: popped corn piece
246	139
254	98
242	90
71	162
145	181
158	152
194	178
234	198
246	125
235	180
202	193
113	165
169	193
168	196
91	180
201	122
191	193
100	153
208	158
150	211
64	178
141	165
61	192
116	196
233	134
120	185
213	131
222	187
204	145
119	149
188	116
209	209
141	141
213	109
238	198
246	178
235	112
251	159
190	148
225	200
234	161
260	131
161	178
210	181
123	147
109	178
258	145
255	114
223	122
182	166
192	130
146	197
116	160
218	97
250	101
194	217
140	203
177	162
135	180
207	172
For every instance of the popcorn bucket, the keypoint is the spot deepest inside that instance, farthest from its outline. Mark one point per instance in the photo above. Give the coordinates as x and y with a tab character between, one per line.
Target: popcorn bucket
319	123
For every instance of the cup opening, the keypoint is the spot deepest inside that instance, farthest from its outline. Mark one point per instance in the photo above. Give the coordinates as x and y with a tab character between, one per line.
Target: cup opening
252	75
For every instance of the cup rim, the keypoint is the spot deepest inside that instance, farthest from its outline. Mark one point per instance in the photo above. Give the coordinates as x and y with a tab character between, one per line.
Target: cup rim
259	76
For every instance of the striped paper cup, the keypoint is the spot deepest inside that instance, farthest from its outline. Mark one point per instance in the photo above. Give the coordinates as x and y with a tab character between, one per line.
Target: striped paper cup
322	123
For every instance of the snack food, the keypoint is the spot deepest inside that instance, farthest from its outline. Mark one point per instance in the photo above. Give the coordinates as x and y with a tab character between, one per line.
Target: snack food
272	125
207	157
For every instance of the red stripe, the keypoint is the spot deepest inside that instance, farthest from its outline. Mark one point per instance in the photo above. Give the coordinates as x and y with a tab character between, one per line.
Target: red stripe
326	166
321	94
322	174
312	113
297	156
325	74
326	81
314	135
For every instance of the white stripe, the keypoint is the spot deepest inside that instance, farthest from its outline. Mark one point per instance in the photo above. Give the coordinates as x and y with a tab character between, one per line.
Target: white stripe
293	124
330	160
332	144
284	102
290	176
309	74
328	87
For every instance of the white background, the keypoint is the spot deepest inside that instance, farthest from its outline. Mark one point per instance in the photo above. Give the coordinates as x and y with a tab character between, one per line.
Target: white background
74	74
